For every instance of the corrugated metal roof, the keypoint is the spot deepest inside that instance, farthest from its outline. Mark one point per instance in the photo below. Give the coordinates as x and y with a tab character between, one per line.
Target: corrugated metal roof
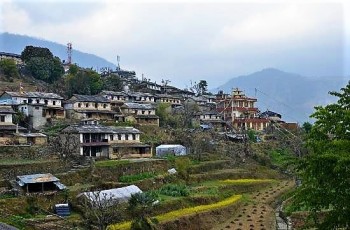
170	146
37	178
34	95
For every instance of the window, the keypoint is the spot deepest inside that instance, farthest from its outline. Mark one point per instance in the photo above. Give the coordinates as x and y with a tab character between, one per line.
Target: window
149	112
104	106
46	102
133	136
2	118
96	105
126	136
54	102
79	105
37	101
87	105
111	137
25	101
143	111
119	137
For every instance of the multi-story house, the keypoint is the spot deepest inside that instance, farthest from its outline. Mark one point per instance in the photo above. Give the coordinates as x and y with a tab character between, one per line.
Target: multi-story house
240	110
142	114
96	140
171	99
211	118
39	107
140	97
88	106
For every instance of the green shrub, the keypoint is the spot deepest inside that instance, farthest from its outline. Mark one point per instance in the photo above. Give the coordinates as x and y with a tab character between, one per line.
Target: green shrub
174	190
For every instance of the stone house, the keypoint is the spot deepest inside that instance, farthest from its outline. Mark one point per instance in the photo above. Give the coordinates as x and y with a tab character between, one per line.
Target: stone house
173	100
211	118
96	140
39	107
88	106
142	114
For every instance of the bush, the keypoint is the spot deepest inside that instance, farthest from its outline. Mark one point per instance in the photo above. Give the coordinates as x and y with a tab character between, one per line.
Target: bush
174	190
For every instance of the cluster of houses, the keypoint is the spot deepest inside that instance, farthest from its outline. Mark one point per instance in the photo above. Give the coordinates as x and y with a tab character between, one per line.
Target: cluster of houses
219	112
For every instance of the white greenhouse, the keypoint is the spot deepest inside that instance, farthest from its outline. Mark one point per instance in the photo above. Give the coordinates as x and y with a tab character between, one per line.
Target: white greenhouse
111	196
174	150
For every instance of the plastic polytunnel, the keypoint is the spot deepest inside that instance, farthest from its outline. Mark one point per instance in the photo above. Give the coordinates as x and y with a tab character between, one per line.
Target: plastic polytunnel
175	150
111	196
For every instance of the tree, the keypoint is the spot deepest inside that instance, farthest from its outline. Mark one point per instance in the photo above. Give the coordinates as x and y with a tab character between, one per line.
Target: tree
307	126
65	144
140	205
32	51
99	208
42	64
8	68
200	88
112	82
84	82
325	172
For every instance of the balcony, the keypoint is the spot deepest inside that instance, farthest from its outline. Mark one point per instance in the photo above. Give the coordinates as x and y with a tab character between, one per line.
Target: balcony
95	142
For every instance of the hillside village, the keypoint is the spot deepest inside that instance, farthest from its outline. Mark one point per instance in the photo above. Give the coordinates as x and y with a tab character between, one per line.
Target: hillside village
143	137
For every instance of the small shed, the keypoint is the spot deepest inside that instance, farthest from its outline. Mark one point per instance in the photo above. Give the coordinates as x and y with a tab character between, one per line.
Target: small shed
111	196
31	138
39	183
175	150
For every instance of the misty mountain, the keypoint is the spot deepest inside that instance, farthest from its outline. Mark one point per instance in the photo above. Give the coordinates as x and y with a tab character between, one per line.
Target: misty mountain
13	43
292	95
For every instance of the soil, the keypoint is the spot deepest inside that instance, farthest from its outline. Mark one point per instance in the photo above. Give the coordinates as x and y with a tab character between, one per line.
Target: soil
258	214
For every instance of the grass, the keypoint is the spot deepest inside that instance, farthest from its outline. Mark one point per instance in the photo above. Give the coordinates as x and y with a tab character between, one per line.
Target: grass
183	212
22	161
280	157
111	163
136	177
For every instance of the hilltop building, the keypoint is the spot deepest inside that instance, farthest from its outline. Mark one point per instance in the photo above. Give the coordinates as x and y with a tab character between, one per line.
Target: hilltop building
240	110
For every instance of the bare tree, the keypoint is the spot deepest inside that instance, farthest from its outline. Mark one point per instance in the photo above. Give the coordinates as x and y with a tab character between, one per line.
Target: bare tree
99	209
66	145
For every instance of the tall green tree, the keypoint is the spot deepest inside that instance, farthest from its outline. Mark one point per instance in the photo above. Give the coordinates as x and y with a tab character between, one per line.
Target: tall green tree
33	51
325	172
112	82
8	68
86	82
42	64
140	205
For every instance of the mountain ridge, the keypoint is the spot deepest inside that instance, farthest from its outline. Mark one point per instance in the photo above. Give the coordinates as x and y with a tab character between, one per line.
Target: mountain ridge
291	94
15	43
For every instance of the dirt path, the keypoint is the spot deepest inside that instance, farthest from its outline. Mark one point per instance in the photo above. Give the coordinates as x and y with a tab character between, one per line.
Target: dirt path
258	214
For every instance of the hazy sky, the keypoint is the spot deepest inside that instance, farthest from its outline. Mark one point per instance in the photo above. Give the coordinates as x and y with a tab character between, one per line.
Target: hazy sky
212	40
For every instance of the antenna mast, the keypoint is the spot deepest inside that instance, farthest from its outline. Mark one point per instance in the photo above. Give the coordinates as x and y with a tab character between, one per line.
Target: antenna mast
118	60
69	52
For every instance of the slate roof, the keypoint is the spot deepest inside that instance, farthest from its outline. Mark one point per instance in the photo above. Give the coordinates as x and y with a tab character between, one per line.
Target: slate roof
35	95
30	134
168	96
99	129
139	94
114	93
6	109
88	98
131	105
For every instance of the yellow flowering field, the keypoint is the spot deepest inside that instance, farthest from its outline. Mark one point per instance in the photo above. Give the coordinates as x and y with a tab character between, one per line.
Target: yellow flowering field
183	212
